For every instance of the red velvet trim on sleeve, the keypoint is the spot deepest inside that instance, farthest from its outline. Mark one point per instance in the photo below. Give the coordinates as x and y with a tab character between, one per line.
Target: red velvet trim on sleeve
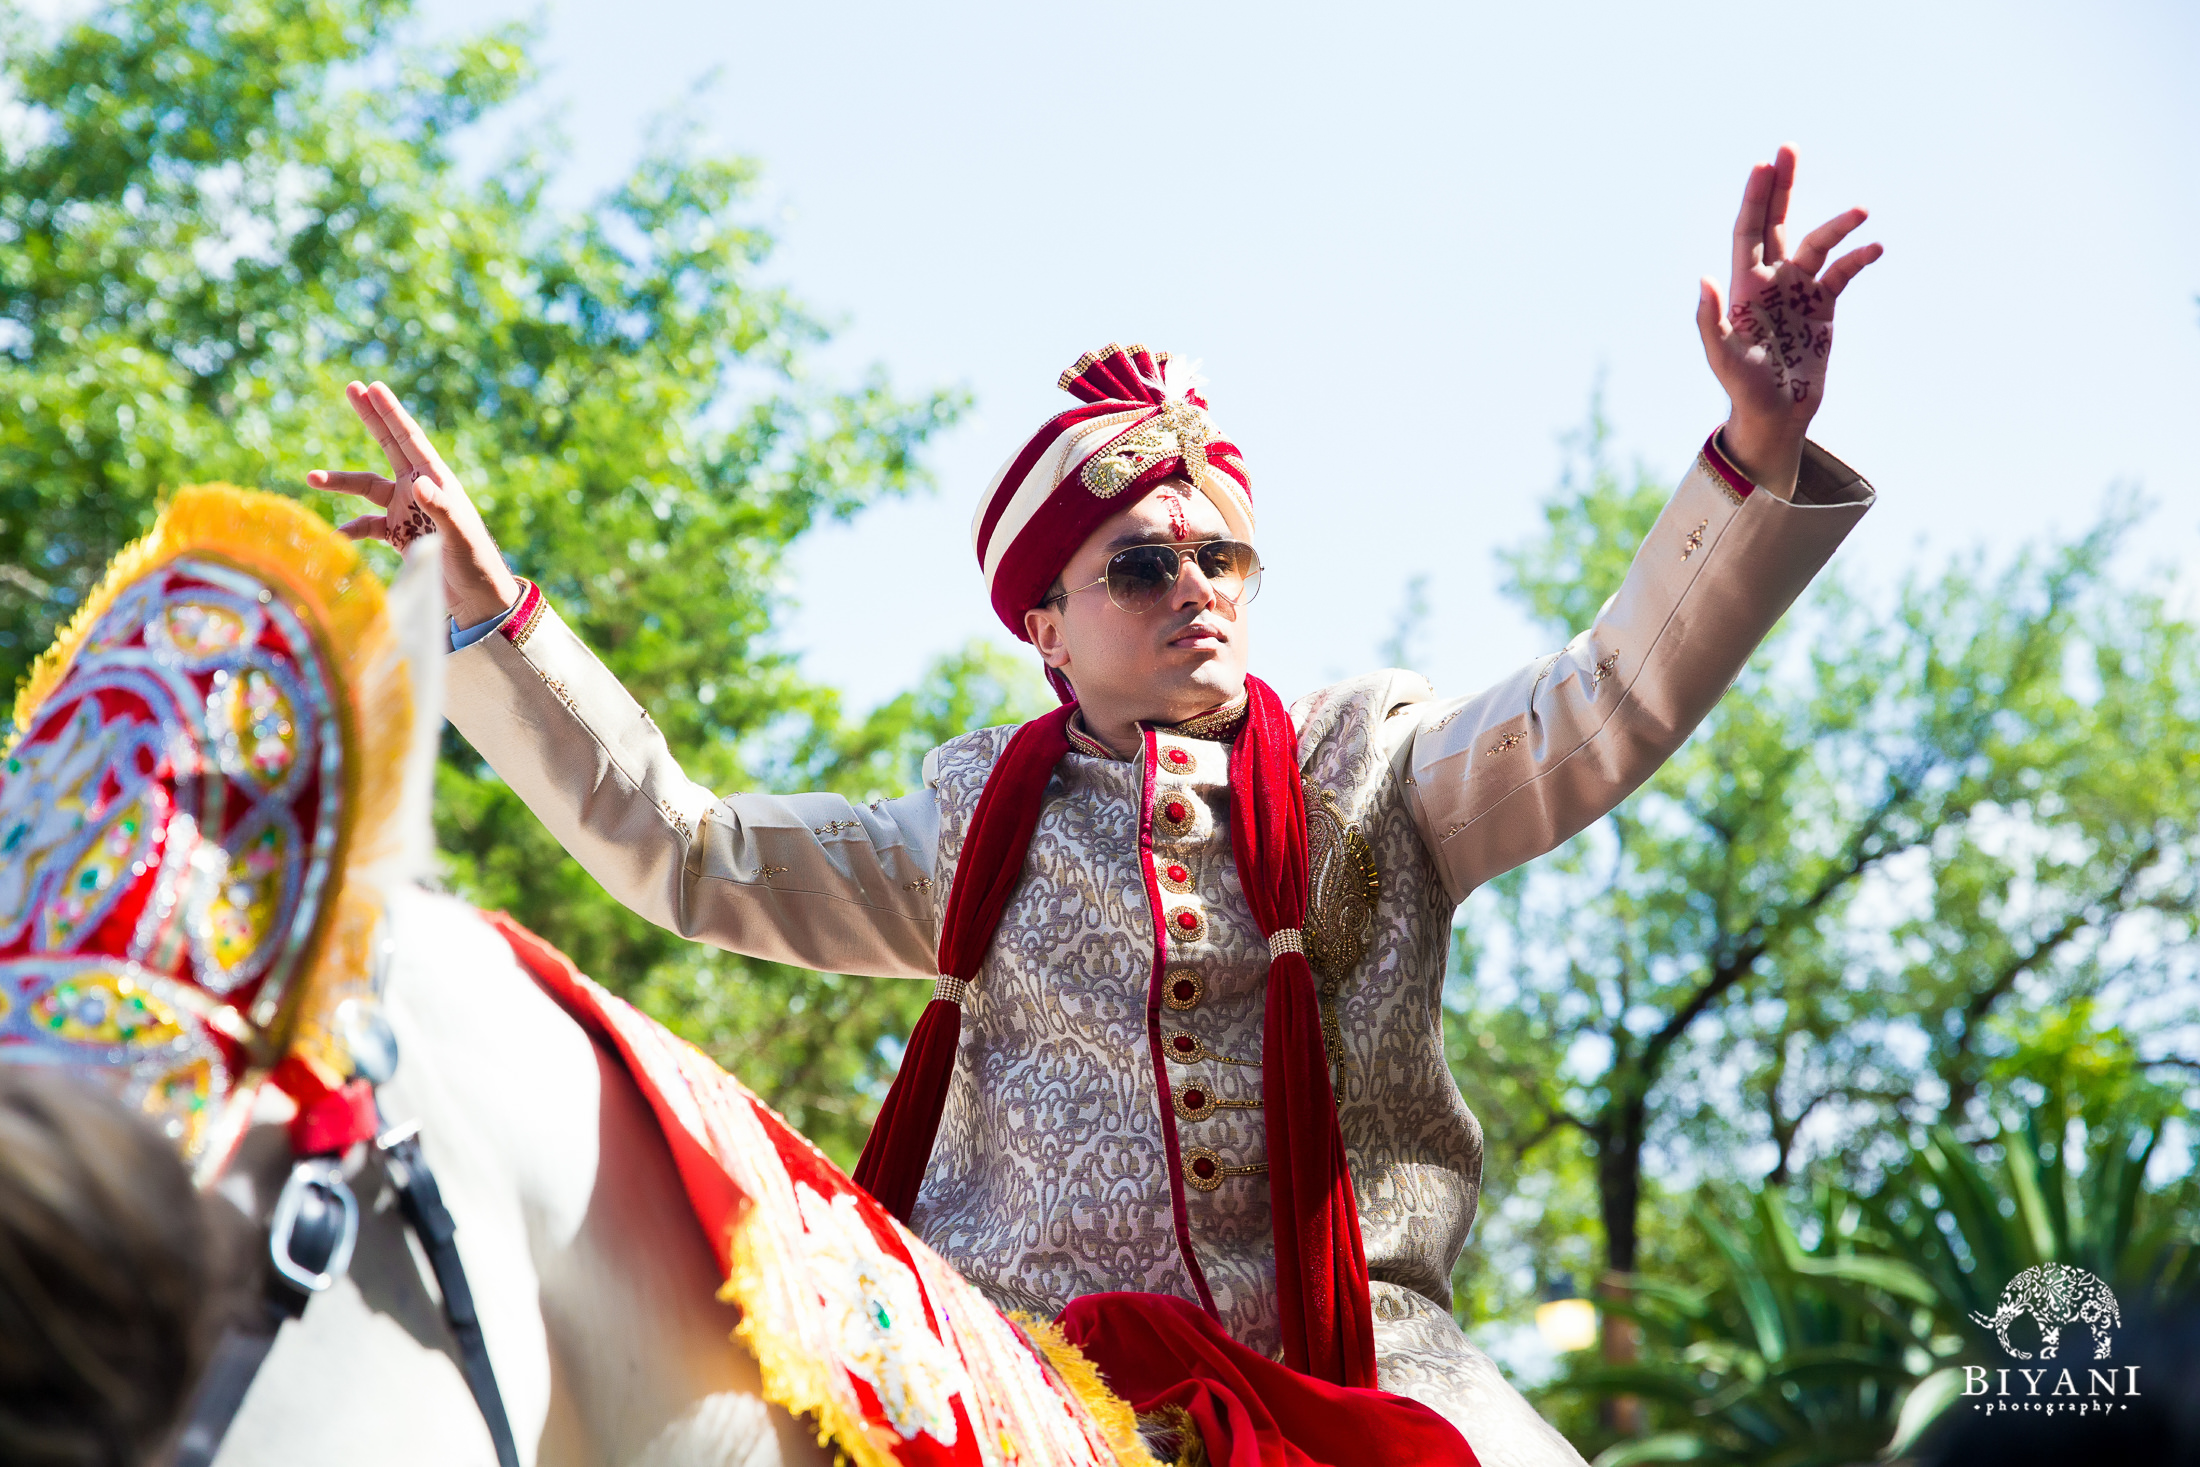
1723	466
525	613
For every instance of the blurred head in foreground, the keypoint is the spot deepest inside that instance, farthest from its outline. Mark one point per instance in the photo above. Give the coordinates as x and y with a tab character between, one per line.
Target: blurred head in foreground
109	1272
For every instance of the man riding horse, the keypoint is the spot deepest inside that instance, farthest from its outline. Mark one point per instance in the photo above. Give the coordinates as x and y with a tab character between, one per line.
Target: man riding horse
214	811
1182	1084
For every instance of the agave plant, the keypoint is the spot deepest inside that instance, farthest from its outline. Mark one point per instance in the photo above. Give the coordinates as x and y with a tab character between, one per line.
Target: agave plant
1801	1357
1969	1226
1844	1348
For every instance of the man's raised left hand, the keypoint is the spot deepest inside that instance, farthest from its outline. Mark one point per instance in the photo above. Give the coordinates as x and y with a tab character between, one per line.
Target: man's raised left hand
1769	347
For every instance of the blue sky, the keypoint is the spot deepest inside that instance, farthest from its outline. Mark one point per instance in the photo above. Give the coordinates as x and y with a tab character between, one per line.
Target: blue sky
1406	240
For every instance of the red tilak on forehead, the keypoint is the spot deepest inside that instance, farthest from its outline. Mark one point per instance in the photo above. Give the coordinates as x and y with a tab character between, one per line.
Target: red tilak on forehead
1179	526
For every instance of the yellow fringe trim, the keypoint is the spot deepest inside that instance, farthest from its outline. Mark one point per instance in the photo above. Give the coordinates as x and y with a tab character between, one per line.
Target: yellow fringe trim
323	578
801	1385
1109	1411
793	1379
1191	1447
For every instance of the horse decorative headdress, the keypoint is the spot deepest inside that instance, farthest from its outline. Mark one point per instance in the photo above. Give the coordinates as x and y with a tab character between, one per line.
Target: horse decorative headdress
203	794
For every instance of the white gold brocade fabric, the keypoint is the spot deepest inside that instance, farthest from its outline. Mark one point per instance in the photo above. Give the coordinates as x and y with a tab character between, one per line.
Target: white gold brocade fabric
1054	1176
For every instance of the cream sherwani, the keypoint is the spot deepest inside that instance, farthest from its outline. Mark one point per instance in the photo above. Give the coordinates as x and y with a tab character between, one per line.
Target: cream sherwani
1103	1129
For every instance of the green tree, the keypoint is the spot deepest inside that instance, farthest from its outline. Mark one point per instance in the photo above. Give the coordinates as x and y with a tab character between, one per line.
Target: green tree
1916	829
214	212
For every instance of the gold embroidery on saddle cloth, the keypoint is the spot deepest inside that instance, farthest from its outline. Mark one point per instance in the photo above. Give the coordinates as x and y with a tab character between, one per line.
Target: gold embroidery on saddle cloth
1343	887
1170	1430
1022	1385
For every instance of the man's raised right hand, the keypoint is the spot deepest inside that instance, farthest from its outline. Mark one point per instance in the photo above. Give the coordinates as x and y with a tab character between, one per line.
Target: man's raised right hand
424	498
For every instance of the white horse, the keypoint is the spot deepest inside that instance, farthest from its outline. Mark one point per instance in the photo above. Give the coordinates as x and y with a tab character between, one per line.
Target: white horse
213	664
595	1286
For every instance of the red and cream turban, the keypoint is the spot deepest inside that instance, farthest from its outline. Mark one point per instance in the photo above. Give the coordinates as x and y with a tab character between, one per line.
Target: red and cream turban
1141	422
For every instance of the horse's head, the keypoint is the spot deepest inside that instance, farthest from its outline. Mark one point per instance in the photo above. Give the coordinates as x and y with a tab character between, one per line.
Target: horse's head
215	773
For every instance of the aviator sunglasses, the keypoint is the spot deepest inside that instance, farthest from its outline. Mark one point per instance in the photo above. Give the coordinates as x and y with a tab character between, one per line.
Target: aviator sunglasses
1138	578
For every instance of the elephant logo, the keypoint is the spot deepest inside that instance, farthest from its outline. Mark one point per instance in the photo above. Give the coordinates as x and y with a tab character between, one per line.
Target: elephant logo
2054	1295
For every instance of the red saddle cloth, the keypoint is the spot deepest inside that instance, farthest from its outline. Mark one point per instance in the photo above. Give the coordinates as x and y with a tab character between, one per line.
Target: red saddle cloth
944	1378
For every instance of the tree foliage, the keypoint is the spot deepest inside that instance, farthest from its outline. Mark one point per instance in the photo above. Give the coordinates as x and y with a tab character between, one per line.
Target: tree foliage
1930	863
215	212
1912	836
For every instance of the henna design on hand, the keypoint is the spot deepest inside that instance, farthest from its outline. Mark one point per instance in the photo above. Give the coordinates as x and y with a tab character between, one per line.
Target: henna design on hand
416	525
1771	352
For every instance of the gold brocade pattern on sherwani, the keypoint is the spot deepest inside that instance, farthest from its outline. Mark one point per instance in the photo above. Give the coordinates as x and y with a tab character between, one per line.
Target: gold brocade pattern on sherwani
1050	1177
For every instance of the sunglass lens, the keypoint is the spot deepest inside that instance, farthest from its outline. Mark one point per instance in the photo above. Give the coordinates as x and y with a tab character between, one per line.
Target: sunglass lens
1228	564
1139	577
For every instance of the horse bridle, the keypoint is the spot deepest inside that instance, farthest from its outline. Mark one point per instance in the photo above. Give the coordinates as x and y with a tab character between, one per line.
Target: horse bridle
309	1244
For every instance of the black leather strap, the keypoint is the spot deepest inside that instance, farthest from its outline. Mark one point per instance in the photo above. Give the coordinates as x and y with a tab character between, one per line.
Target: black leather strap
243	1348
237	1358
421	1201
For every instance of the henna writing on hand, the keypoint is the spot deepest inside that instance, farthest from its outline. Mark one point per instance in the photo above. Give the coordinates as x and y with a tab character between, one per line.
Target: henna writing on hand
1786	327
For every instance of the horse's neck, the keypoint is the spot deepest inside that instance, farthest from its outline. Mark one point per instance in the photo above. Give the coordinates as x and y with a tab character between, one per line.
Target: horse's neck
595	1287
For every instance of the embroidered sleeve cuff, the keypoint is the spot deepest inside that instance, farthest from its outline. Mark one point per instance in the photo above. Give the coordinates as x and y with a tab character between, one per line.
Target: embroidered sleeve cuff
526	614
516	621
1723	467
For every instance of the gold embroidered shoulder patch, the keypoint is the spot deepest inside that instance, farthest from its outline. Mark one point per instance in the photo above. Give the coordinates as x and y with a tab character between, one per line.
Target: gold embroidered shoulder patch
1343	887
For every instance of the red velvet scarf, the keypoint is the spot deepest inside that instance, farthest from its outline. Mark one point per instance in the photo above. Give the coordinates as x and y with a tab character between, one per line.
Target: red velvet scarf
1158	1353
899	1147
1321	1267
